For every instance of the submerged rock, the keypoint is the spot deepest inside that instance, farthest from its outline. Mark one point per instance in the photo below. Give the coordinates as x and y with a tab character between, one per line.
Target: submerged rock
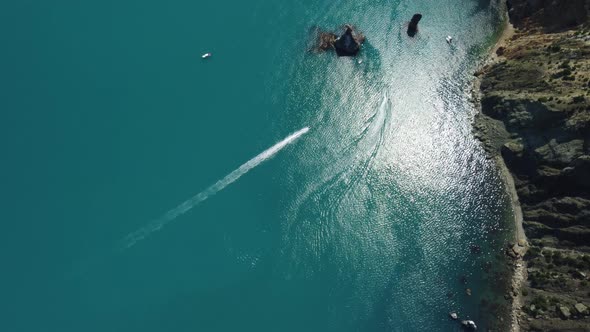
413	25
463	279
475	249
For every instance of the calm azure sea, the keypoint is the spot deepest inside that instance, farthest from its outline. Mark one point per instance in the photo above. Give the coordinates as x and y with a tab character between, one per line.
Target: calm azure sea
267	188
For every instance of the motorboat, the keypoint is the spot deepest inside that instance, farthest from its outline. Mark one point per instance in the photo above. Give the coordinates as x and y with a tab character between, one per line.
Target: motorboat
206	55
449	39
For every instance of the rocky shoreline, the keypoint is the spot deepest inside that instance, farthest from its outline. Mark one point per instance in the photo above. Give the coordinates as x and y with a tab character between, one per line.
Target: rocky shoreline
535	122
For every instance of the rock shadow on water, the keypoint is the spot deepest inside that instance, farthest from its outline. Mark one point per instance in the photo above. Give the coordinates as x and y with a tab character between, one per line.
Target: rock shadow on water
371	58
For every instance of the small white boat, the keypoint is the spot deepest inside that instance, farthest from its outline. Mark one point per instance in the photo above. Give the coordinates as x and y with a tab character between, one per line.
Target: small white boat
449	39
206	55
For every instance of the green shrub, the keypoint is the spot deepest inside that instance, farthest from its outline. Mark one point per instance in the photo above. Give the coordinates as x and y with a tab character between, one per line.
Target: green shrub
565	65
578	99
540	302
561	73
533	252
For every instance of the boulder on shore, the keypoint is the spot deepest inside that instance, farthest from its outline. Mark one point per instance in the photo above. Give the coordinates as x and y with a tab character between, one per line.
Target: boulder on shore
413	25
564	312
581	308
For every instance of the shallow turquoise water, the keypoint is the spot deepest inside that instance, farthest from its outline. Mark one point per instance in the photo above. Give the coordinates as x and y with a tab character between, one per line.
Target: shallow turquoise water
111	119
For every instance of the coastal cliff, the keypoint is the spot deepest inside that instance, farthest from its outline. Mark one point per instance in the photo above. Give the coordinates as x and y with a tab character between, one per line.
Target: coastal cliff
535	119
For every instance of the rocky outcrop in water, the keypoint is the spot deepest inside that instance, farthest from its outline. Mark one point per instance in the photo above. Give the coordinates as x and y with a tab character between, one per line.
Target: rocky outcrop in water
413	25
348	44
536	115
326	41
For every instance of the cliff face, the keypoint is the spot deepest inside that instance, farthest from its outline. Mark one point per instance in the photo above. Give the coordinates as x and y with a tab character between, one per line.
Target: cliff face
551	15
536	115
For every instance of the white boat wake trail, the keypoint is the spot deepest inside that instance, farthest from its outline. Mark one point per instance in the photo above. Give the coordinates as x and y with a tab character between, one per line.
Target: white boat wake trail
157	224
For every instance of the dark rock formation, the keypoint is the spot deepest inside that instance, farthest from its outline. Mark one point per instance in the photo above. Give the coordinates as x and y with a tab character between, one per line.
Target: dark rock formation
413	25
348	44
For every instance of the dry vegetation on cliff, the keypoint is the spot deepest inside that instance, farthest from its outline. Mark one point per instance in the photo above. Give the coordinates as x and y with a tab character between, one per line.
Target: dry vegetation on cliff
536	115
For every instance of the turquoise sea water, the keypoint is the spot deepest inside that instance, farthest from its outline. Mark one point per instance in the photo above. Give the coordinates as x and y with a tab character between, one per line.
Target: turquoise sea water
367	222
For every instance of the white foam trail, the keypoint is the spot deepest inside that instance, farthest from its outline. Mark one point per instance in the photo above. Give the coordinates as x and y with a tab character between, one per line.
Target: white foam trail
157	224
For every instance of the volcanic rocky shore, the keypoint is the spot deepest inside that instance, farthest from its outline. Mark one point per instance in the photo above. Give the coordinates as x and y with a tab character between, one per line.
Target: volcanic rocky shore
535	116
